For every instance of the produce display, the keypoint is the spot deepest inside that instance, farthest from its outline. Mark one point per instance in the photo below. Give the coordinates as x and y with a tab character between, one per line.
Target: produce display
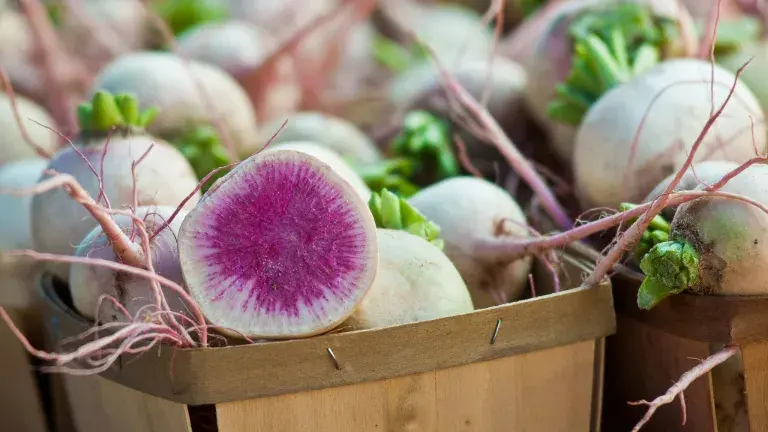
197	175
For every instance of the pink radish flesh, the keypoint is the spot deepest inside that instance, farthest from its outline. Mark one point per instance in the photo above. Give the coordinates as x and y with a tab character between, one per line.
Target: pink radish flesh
282	246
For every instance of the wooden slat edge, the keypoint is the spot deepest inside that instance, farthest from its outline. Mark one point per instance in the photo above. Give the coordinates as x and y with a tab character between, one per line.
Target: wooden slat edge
203	376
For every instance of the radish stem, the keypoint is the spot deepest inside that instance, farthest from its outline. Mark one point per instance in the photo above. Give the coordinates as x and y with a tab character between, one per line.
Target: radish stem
670	268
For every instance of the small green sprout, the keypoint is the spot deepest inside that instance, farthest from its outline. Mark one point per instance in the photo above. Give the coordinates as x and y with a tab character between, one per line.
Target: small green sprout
393	212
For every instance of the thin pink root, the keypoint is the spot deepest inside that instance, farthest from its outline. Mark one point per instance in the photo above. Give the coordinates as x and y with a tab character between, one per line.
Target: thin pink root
5	83
677	389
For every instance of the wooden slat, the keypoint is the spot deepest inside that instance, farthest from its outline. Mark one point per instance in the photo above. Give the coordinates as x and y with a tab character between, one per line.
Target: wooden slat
205	376
755	358
728	319
507	394
642	363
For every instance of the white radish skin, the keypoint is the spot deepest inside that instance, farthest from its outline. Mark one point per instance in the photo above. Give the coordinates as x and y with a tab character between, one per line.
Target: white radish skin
89	282
604	141
279	248
164	177
415	282
239	47
17	273
163	80
13	147
333	132
358	69
331	158
468	210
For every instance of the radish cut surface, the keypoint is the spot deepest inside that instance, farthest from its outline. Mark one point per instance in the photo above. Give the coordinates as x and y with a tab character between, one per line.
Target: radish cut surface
280	247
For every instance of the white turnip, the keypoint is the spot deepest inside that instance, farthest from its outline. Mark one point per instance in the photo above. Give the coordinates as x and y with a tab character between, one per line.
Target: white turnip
16	273
239	47
89	282
333	132
658	26
168	82
415	282
623	150
105	168
13	146
469	210
280	247
715	244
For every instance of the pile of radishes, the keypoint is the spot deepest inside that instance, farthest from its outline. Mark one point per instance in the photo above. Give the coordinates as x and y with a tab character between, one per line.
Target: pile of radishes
264	170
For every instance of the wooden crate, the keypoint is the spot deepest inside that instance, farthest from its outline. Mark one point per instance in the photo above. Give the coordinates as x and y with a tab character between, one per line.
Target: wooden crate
543	372
21	404
652	349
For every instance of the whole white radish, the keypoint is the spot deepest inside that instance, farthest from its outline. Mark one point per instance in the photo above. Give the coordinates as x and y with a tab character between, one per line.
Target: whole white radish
13	147
333	132
239	47
455	33
281	247
166	81
89	282
329	157
670	104
415	282
469	210
17	273
162	175
662	26
715	244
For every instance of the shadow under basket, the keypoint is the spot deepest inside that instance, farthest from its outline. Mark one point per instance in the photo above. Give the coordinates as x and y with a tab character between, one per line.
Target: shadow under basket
652	349
533	365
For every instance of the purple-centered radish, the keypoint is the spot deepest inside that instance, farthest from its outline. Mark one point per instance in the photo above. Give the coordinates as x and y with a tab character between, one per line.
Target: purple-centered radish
469	210
330	158
163	176
662	28
622	151
13	147
168	82
333	132
89	282
281	247
415	281
239	47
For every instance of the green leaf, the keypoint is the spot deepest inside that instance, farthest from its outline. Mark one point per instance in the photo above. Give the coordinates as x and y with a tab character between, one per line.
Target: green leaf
391	212
129	108
670	267
104	112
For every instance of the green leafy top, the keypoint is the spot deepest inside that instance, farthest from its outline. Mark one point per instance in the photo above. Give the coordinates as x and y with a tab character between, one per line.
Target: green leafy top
181	15
392	212
611	45
670	267
203	149
422	149
106	111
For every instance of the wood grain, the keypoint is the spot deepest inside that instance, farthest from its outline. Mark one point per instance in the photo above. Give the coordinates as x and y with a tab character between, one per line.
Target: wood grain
642	363
755	358
206	376
506	394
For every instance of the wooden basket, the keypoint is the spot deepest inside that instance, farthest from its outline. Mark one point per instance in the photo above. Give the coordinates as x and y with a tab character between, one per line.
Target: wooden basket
22	407
652	349
534	365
